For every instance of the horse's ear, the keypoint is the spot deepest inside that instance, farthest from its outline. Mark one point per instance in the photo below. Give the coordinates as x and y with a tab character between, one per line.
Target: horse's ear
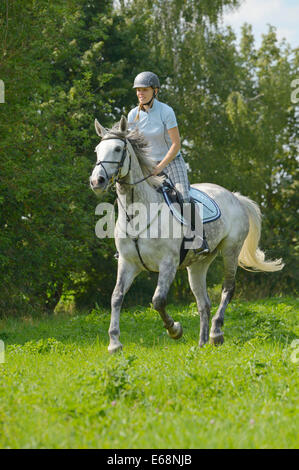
100	130
123	124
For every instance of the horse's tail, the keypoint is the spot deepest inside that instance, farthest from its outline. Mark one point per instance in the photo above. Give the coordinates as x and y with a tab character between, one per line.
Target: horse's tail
251	257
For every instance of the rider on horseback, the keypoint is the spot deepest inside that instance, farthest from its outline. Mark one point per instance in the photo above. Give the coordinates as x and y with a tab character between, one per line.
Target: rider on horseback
157	122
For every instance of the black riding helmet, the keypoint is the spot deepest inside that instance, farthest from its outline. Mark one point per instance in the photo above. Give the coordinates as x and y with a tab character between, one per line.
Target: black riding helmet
145	80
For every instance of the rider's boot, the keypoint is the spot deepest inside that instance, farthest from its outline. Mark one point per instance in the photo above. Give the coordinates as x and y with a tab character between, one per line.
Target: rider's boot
204	248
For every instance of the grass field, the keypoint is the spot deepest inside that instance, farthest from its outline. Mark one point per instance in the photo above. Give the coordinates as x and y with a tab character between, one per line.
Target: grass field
59	387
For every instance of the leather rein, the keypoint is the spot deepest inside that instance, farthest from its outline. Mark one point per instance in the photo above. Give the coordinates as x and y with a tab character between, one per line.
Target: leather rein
115	178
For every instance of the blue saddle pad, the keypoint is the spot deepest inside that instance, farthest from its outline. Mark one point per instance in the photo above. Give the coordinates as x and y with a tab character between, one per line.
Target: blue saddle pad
208	206
211	210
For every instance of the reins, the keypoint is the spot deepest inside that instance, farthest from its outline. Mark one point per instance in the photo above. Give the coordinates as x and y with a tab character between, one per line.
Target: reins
113	180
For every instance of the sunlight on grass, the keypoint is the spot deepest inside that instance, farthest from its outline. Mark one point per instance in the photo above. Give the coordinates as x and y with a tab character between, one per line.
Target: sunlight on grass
60	388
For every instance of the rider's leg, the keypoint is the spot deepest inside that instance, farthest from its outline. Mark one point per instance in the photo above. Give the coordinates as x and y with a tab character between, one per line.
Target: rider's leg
177	172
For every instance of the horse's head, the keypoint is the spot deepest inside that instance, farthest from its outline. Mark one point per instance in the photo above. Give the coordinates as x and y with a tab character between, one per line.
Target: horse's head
112	162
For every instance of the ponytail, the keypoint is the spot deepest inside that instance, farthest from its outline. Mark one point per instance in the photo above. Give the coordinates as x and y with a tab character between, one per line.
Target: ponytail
140	107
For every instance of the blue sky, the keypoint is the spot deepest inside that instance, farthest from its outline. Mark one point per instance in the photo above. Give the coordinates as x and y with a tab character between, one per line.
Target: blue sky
283	14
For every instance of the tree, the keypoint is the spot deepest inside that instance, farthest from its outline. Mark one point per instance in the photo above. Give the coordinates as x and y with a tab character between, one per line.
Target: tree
47	232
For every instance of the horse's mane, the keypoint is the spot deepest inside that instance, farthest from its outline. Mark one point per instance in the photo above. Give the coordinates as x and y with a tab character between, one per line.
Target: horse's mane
141	148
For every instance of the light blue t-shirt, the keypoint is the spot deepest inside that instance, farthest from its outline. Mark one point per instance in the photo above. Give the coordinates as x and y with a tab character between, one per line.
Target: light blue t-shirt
154	125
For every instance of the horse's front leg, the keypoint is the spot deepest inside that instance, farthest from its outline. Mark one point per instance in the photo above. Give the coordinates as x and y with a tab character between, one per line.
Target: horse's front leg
126	274
167	274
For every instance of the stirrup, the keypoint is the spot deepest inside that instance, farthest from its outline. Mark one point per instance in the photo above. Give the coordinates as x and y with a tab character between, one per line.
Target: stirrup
204	249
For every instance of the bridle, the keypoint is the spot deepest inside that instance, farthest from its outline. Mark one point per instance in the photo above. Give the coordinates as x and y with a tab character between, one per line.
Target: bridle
127	150
115	178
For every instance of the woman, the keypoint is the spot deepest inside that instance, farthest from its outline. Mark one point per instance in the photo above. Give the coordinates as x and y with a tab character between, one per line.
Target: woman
158	124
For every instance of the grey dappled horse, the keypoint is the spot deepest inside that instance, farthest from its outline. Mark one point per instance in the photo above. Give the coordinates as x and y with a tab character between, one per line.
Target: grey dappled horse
123	157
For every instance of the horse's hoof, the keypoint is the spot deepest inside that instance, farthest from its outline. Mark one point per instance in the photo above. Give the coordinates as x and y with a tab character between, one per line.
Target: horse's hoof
217	339
113	348
176	331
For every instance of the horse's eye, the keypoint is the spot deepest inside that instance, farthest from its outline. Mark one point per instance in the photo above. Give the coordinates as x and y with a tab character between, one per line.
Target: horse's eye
118	149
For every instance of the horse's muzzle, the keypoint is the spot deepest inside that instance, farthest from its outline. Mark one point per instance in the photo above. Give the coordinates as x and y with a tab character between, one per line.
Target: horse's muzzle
98	183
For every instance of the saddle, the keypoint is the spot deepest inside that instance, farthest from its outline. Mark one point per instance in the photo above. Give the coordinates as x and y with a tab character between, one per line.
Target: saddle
207	206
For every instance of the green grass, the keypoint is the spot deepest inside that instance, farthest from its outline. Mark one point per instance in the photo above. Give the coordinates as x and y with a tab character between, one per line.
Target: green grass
59	387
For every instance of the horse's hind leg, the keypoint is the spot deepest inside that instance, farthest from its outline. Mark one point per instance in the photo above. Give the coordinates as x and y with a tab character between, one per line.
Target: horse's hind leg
167	273
197	274
126	273
230	258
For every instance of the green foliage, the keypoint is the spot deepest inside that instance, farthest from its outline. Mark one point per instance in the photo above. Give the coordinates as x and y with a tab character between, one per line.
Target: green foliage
47	224
60	388
117	380
42	346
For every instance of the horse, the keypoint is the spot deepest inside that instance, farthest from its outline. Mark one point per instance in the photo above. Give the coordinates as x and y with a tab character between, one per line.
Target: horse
123	161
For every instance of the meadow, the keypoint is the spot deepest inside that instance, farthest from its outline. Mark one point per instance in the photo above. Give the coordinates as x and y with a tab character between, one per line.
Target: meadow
59	387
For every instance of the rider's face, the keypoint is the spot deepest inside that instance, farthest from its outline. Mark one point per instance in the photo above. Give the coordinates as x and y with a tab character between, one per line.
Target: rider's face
144	94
